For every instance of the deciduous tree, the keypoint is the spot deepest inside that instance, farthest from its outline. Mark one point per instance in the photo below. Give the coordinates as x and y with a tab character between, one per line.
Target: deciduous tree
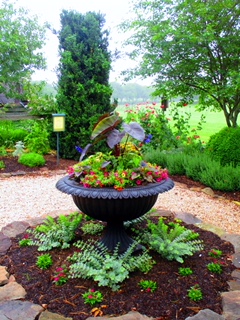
21	39
190	48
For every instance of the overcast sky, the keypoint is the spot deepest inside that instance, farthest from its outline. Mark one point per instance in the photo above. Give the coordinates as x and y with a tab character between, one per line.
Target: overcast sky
49	10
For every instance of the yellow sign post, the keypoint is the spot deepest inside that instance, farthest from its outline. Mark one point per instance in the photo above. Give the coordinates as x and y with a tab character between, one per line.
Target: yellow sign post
58	126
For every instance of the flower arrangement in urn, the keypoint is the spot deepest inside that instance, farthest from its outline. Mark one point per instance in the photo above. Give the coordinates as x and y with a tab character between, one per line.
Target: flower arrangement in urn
123	166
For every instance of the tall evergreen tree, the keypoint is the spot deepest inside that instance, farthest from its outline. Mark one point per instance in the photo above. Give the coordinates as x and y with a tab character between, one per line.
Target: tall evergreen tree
84	91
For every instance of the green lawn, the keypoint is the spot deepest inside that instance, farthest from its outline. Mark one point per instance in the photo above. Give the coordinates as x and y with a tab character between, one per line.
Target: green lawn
215	121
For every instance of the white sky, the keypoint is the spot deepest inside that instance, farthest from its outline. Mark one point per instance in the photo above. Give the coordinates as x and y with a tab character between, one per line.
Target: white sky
49	10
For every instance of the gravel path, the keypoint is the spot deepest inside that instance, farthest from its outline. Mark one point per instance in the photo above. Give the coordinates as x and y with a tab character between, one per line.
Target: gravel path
22	198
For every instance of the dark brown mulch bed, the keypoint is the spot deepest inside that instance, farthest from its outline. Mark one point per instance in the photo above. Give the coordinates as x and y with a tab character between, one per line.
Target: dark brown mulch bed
169	302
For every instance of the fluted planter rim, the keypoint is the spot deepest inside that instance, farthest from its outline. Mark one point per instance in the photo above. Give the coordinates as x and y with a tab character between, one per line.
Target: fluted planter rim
69	186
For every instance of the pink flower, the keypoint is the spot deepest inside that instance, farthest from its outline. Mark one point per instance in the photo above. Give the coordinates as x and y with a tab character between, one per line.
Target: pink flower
165	175
56	279
138	182
59	269
90	296
70	170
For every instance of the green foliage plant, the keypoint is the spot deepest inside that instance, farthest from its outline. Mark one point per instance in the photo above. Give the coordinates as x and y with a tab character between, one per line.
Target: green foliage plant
199	167
92	297
155	123
85	64
172	242
44	261
25	242
19	149
3	151
185	271
2	164
20	32
223	146
108	269
189	66
56	234
215	253
61	276
148	285
32	160
123	165
92	228
215	267
37	140
195	293
10	135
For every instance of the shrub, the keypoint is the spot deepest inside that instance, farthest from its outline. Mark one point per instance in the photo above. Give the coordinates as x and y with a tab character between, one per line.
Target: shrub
32	160
44	261
54	234
173	242
37	141
173	160
199	167
195	293
9	137
185	271
215	268
108	269
225	178
224	146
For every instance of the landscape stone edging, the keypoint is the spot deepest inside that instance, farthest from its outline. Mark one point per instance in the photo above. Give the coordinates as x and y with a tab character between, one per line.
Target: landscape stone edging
8	307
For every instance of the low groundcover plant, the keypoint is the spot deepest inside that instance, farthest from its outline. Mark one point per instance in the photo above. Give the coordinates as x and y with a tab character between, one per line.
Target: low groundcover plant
123	166
92	297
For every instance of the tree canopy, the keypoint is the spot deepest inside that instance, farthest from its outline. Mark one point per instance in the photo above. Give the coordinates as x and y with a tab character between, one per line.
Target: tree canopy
21	39
84	92
189	48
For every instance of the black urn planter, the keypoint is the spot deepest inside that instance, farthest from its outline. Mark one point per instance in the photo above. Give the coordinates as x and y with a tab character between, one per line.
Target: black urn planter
114	207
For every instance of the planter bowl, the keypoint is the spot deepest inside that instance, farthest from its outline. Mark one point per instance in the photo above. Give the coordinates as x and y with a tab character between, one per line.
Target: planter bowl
114	207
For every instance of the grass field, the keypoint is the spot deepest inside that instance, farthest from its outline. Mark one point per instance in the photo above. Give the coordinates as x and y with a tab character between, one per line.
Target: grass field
215	121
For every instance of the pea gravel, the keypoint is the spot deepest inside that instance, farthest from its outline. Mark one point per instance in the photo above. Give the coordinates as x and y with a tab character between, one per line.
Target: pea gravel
28	197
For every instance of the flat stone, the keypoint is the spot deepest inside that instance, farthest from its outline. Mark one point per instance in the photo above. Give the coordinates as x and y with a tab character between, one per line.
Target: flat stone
234	285
19	310
162	213
187	217
209	227
132	315
19	173
197	189
5	244
236	275
234	239
46	315
208	191
236	260
4	275
12	291
206	314
231	305
13	229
